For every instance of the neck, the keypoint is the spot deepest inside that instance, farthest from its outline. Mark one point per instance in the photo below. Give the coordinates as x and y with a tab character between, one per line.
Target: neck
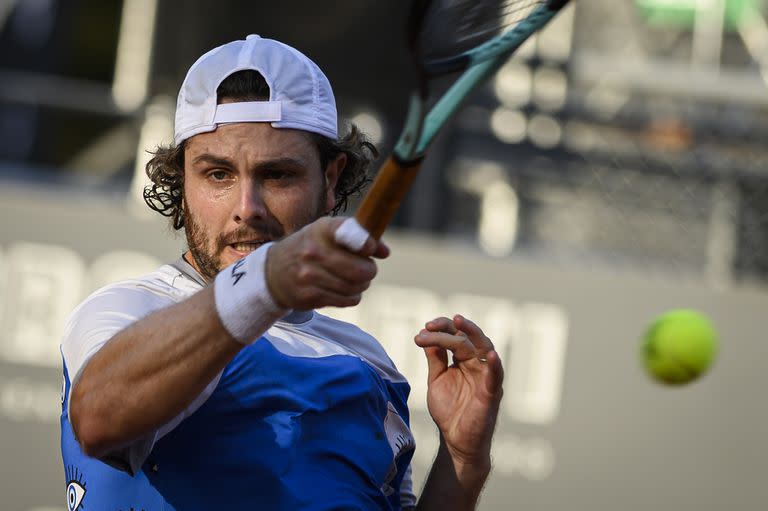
189	257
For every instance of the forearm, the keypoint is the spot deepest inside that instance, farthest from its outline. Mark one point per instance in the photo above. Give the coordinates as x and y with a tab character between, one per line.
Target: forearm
453	484
149	373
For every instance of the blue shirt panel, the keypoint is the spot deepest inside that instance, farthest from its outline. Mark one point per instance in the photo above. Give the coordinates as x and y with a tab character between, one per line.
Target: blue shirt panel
279	432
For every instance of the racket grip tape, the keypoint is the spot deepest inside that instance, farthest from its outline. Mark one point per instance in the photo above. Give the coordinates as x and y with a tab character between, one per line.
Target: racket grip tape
387	191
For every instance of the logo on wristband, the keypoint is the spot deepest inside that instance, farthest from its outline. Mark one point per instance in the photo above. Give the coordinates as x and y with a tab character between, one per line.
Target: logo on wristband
236	274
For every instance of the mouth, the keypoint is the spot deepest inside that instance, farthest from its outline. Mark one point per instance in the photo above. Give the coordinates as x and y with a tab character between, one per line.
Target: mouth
246	247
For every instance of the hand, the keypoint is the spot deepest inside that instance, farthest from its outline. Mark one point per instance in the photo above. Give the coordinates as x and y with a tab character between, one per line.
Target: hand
462	398
309	269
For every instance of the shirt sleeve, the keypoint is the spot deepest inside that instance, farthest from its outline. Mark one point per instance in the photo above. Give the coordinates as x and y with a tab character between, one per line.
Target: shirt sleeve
100	317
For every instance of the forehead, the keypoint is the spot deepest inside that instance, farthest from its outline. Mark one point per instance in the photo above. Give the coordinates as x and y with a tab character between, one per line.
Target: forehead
251	142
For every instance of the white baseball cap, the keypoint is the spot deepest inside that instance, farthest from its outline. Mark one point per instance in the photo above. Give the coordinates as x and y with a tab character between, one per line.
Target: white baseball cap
300	95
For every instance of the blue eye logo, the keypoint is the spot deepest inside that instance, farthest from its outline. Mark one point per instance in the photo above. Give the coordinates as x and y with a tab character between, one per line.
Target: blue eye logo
75	489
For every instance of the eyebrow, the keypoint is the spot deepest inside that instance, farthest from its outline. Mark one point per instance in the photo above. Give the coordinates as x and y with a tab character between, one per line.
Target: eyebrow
222	161
213	160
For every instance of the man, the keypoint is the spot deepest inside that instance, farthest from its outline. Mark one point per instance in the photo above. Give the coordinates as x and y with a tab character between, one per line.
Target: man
211	383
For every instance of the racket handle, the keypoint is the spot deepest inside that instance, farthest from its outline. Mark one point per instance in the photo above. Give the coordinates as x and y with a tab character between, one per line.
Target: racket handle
380	203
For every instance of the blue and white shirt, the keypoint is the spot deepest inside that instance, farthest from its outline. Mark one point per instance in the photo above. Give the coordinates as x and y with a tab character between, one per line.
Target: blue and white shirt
312	416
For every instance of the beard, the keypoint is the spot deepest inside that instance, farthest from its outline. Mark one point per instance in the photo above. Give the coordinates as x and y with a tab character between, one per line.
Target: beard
207	250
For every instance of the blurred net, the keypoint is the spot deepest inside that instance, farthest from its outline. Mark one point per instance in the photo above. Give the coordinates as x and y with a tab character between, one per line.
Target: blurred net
624	143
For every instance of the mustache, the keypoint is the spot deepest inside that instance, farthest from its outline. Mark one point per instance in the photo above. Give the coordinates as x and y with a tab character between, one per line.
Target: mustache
268	232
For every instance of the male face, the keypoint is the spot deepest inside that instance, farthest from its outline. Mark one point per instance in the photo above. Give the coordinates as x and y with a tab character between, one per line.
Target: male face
248	183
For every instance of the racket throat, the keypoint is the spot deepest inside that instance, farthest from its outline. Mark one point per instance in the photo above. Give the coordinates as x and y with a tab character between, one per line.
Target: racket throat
385	195
408	147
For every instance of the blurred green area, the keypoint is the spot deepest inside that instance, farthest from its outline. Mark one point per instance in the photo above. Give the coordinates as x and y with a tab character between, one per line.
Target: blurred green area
682	13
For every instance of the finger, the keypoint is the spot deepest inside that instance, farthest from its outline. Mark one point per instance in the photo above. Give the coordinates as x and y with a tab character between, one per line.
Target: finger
317	297
336	283
442	324
459	345
331	299
382	251
494	376
348	266
369	247
437	362
318	288
474	332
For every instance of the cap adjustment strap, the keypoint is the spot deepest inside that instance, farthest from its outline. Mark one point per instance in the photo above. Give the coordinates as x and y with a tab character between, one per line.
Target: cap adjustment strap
250	111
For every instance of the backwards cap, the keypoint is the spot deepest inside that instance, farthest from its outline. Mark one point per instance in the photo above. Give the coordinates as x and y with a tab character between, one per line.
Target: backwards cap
300	95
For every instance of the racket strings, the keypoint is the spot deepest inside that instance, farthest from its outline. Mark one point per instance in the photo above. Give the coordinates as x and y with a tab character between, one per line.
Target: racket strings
510	14
452	27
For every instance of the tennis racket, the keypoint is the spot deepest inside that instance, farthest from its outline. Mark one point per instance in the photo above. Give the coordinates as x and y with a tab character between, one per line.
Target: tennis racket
456	45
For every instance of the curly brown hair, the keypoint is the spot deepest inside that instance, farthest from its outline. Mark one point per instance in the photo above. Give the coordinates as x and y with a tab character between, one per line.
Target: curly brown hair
166	167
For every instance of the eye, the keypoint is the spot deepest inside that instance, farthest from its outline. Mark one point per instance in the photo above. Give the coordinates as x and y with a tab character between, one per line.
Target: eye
75	494
218	175
278	174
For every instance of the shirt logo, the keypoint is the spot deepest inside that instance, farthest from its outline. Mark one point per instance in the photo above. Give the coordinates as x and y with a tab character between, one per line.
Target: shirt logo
236	273
75	489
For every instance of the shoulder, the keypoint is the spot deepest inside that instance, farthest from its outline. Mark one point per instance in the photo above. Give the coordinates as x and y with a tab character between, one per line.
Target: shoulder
166	281
166	285
112	308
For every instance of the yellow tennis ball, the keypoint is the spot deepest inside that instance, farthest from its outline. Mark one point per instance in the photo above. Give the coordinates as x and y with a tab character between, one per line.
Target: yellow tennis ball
679	346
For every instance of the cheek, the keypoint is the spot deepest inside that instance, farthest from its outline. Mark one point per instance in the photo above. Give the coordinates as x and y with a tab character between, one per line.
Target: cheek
207	200
206	210
293	208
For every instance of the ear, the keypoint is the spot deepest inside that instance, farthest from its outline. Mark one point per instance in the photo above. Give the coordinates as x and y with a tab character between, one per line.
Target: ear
332	172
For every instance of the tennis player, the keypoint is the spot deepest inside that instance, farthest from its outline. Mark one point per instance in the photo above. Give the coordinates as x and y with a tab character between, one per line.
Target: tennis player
212	383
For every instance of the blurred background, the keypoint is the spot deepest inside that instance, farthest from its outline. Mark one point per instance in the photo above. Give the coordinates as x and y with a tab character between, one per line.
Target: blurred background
614	169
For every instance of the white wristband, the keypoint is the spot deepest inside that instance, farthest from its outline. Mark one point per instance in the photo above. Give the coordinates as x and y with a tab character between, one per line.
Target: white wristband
351	235
243	301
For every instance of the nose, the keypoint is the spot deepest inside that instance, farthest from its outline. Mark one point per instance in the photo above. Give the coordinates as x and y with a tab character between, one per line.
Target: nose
251	204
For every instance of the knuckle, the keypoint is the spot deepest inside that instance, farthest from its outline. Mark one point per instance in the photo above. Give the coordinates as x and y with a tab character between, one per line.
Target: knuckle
305	275
328	225
310	251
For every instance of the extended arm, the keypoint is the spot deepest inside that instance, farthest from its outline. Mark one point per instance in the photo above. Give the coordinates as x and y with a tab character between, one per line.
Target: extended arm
151	371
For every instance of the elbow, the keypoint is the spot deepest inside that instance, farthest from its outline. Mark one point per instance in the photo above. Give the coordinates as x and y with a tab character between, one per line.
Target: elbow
92	440
90	428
